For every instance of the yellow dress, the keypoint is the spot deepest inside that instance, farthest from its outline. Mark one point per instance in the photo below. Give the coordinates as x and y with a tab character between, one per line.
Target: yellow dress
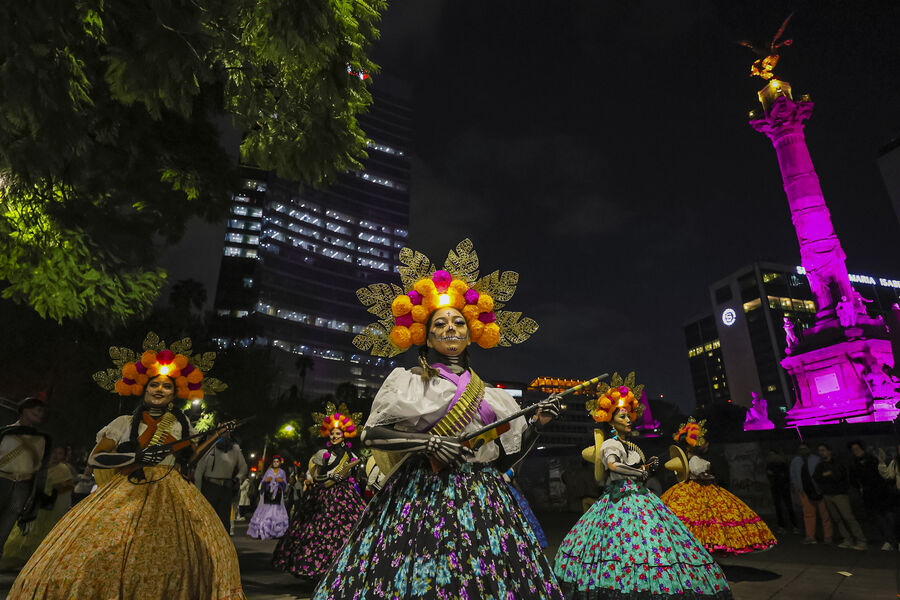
717	518
160	539
19	547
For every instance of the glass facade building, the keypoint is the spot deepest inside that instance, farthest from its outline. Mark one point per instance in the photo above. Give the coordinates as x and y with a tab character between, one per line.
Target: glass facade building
746	331
293	259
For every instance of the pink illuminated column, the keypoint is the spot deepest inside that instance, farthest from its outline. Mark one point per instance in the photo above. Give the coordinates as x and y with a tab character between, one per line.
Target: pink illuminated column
820	250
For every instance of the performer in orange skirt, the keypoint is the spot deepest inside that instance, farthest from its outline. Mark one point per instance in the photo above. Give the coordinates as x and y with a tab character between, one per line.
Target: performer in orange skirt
716	517
146	533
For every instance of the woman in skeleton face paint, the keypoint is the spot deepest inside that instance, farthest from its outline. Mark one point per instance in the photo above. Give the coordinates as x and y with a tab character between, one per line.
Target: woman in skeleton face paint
445	524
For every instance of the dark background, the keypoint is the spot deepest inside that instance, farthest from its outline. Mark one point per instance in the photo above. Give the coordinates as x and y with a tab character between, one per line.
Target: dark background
601	149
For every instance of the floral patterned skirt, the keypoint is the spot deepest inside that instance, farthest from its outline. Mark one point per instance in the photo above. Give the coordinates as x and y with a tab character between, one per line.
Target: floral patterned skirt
529	516
718	518
155	540
318	529
628	545
457	534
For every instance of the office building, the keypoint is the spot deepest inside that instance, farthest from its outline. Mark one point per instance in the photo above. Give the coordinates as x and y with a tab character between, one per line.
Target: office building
294	259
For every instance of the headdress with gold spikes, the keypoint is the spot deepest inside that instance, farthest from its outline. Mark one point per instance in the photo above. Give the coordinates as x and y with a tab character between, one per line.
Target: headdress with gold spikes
338	417
133	371
617	393
692	433
403	311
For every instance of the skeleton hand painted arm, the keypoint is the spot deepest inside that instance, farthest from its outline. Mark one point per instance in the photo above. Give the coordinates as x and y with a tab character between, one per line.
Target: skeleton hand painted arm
638	471
548	410
447	450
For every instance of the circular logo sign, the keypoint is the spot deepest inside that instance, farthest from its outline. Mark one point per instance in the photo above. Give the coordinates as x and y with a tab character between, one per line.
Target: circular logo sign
729	317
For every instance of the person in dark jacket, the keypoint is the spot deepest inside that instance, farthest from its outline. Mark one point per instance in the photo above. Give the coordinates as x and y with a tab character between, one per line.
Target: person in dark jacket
878	497
833	479
780	481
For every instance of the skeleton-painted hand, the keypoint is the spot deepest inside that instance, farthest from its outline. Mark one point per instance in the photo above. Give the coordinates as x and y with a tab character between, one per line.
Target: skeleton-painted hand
447	450
152	455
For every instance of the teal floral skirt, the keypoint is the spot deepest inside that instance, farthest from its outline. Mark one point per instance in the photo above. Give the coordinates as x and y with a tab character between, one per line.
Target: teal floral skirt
457	534
629	545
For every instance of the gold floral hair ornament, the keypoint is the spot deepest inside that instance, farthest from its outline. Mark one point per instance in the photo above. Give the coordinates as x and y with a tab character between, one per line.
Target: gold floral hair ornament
617	393
133	371
403	311
335	416
692	433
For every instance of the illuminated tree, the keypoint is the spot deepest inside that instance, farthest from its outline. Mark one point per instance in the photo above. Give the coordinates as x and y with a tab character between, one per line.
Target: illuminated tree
110	124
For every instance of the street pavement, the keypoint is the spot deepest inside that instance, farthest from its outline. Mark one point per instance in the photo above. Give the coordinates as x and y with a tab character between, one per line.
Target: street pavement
790	571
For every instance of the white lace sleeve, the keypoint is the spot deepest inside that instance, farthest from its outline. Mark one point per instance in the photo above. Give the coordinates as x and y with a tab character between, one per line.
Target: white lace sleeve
401	401
698	466
505	405
118	430
613	450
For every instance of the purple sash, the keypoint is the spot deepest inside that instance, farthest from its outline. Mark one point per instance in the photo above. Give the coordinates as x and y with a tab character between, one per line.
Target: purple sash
461	381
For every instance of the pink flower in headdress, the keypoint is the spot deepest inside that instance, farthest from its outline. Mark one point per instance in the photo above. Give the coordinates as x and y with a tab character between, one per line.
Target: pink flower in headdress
487	317
471	296
405	321
415	297
441	279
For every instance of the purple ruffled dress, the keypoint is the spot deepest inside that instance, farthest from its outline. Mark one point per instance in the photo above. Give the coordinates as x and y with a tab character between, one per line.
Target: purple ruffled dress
270	519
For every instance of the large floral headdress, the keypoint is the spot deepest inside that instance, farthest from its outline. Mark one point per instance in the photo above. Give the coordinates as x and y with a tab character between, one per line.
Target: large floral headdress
618	393
692	433
404	311
132	371
338	417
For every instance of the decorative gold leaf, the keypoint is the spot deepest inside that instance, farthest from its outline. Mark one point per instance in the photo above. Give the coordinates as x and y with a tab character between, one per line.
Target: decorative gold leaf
616	380
342	408
204	361
602	387
629	381
463	263
318	418
330	408
374	340
590	404
512	330
415	266
182	346
107	379
120	356
500	287
378	297
211	385
152	342
636	390
357	418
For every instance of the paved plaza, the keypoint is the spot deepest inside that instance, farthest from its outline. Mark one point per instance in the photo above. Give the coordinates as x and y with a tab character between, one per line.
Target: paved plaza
790	571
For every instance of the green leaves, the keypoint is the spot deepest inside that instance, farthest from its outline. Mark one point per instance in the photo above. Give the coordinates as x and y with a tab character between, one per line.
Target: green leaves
109	139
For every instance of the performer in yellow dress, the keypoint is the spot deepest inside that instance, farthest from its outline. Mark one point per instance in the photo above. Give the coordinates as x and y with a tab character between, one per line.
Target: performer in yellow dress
716	517
147	533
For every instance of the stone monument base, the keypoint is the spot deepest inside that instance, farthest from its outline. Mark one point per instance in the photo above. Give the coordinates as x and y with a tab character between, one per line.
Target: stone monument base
843	381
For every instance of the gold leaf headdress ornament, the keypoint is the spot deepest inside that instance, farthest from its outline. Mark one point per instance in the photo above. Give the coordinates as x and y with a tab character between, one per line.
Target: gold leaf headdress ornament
338	417
133	371
693	433
403	311
617	393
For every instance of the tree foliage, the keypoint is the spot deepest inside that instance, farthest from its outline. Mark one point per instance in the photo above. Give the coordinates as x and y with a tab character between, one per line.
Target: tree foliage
109	129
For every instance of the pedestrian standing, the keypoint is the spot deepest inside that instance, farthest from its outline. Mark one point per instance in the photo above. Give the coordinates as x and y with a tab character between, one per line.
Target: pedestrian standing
833	479
244	500
23	463
218	477
270	520
878	497
779	477
802	468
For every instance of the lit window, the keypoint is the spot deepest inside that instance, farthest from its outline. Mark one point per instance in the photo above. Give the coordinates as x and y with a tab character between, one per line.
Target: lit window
256	211
232	251
339	216
239	210
248	282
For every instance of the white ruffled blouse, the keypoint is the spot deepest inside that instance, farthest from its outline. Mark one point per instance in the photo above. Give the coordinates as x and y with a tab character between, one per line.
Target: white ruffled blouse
119	430
408	402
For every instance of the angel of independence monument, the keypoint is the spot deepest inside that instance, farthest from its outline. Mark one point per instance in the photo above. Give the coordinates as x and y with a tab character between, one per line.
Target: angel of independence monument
841	364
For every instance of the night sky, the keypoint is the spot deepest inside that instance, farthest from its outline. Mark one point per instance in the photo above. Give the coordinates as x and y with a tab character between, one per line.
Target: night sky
601	149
